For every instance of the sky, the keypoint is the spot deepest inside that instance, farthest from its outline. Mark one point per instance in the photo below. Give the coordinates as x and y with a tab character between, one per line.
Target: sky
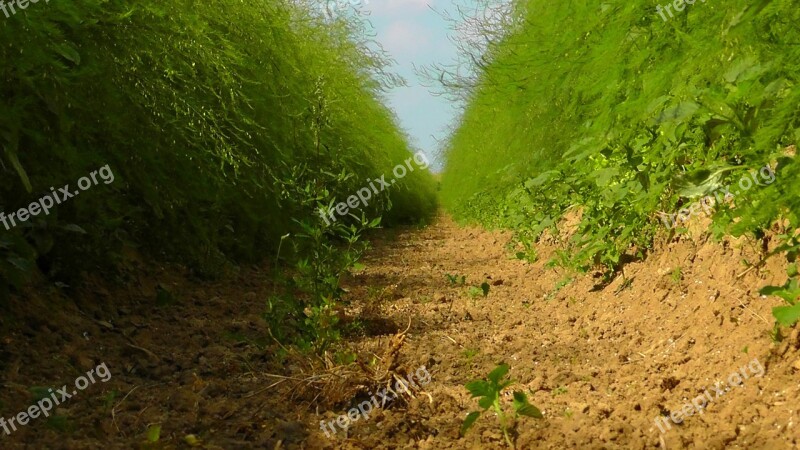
414	34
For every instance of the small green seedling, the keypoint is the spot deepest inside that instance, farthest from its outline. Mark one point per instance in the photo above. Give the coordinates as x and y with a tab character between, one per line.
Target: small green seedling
109	399
558	287
475	291
790	292
677	275
559	391
470	353
529	249
454	279
489	391
153	436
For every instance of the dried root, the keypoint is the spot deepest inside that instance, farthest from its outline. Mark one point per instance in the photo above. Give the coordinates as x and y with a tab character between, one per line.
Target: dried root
333	385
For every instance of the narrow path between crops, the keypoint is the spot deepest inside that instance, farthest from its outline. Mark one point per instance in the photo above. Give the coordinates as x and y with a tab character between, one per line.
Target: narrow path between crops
602	363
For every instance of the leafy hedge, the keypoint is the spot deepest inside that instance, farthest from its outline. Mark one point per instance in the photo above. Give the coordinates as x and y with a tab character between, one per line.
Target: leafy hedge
201	109
609	107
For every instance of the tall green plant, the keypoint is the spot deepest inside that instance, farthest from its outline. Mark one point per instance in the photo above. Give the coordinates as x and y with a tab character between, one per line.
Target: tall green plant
195	107
606	110
324	252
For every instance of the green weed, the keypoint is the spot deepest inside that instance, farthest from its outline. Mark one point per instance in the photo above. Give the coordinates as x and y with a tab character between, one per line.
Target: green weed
787	316
489	391
109	399
558	287
677	275
456	279
470	353
561	390
328	250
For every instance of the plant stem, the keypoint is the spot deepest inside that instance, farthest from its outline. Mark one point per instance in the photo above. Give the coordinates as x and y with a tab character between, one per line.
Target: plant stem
508	440
502	418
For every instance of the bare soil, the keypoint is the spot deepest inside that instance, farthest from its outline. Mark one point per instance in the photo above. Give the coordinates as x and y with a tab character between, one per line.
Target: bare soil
602	362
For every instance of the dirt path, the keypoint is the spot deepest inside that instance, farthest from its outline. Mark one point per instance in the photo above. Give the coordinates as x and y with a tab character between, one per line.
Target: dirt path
601	363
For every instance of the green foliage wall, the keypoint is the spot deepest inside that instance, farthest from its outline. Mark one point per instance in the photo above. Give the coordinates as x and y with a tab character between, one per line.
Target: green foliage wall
198	108
609	107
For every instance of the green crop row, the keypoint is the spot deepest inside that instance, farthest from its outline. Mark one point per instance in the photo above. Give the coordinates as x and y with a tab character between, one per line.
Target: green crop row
611	110
203	111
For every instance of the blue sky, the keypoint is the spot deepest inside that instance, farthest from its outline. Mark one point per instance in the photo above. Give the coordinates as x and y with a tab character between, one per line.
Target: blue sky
413	34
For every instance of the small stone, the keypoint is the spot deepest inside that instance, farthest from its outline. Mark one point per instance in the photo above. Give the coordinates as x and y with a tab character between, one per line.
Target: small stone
797	364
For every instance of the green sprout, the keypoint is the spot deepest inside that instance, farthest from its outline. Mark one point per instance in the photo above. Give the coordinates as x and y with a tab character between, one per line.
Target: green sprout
488	391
